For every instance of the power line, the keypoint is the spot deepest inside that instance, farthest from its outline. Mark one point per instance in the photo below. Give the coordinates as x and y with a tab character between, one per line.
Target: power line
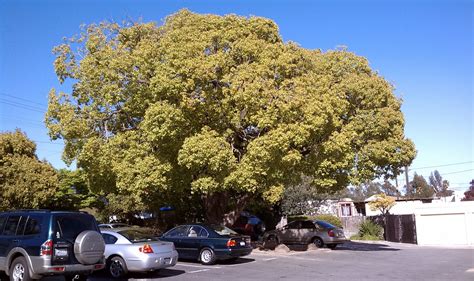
444	165
22	99
457	172
22	106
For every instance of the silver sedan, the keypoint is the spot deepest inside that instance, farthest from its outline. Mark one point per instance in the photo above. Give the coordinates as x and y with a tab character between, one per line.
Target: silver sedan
305	231
129	249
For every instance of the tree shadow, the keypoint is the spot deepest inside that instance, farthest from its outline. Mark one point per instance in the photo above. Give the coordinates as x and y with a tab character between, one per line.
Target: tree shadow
364	247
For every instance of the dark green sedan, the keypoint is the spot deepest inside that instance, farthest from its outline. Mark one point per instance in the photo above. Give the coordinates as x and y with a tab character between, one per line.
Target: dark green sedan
208	243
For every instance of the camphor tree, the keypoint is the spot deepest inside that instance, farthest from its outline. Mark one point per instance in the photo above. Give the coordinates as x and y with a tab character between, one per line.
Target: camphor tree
207	112
25	181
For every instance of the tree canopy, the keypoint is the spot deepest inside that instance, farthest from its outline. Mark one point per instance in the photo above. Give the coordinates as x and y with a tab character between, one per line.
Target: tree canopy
419	188
25	181
207	108
383	203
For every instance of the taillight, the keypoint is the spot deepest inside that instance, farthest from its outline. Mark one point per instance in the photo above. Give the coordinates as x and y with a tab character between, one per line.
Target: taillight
146	249
331	233
47	248
231	243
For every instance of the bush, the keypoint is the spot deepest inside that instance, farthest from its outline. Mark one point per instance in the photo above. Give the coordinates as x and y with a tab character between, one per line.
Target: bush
368	230
323	217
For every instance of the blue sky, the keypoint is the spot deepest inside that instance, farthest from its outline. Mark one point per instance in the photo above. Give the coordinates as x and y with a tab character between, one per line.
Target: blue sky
425	48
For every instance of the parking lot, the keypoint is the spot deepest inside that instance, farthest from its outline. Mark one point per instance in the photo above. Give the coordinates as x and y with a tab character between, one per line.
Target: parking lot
353	261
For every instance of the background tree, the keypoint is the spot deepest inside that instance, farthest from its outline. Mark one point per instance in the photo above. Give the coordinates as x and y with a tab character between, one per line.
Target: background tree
420	188
218	110
383	203
25	181
390	190
363	191
73	192
439	185
469	194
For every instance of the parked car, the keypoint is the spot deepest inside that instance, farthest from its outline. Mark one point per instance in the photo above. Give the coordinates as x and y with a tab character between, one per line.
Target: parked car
306	231
130	249
208	243
113	225
250	225
37	243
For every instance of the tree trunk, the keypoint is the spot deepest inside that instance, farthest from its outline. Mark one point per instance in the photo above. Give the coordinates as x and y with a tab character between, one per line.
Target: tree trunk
223	207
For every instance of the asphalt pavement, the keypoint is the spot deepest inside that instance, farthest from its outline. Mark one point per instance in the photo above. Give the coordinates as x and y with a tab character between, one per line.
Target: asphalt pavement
353	261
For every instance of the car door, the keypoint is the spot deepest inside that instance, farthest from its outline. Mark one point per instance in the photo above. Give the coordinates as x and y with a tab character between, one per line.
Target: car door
8	239
306	232
110	247
176	236
191	243
3	242
29	234
289	232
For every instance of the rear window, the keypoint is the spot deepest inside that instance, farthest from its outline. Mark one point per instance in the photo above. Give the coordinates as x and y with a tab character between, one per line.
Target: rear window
70	225
325	224
135	236
222	230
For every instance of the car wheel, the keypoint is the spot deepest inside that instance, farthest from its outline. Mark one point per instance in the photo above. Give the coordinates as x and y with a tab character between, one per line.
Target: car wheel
332	246
207	256
19	270
117	267
271	242
318	242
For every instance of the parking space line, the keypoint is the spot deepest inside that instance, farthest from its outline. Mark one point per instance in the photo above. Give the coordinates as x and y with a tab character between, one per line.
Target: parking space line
199	270
470	270
269	259
198	266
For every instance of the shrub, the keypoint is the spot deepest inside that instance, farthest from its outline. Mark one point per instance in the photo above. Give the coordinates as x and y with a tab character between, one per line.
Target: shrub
323	217
368	230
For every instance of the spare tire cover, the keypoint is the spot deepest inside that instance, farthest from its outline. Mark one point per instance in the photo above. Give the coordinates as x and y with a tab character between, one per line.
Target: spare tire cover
89	247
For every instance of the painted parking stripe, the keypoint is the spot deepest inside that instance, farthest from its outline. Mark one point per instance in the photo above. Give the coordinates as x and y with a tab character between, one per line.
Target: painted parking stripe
470	270
269	259
197	266
199	270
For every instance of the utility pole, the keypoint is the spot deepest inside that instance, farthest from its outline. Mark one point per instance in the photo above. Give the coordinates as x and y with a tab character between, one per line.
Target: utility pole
406	179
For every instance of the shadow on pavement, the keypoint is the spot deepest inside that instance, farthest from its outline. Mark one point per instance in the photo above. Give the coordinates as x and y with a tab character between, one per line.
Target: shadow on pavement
237	261
162	273
366	247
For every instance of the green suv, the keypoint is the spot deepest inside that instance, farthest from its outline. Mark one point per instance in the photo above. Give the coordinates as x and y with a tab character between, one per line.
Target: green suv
37	243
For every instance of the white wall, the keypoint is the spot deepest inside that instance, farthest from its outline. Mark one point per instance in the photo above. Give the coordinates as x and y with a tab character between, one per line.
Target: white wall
445	223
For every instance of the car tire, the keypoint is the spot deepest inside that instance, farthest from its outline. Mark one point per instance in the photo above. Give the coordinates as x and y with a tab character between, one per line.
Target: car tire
19	270
117	267
318	242
271	242
207	256
89	247
332	246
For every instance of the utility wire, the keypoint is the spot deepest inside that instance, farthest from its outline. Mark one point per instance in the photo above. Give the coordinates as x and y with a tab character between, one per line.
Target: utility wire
457	172
22	99
22	106
444	165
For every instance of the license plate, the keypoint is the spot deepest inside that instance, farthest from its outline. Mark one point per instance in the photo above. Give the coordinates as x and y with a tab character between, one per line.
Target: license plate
242	243
60	252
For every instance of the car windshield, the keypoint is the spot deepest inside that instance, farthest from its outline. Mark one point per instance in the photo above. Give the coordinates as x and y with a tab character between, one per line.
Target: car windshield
325	224
222	230
136	236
